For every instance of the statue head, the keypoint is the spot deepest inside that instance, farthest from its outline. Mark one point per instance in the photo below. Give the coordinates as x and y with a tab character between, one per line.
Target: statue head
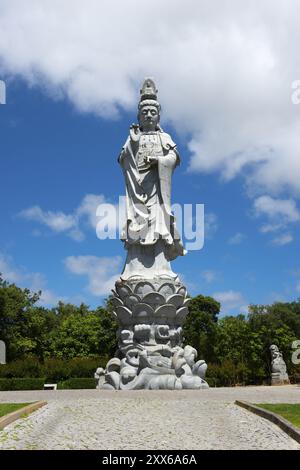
149	107
274	351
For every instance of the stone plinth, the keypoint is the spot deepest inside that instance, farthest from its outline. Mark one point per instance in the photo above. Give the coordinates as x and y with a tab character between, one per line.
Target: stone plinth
150	353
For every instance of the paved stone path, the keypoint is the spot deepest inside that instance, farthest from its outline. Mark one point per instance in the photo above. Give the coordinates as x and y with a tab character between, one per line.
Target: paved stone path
148	420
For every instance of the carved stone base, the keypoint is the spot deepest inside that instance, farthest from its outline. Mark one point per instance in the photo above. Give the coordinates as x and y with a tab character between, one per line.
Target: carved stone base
150	354
279	379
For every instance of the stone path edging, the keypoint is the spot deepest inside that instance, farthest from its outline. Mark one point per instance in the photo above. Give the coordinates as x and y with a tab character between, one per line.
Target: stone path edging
285	425
11	417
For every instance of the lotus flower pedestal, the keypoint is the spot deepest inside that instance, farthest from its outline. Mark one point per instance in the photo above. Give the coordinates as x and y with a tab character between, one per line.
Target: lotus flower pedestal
150	354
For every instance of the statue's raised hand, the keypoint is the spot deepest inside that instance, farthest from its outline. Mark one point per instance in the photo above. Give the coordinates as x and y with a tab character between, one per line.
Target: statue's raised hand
150	160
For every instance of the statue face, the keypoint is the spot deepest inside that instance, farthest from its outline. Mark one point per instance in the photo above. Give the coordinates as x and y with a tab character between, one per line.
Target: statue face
148	118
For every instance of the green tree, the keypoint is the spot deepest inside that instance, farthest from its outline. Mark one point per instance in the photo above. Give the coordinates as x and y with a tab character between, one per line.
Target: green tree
109	327
238	345
25	327
83	332
278	324
200	327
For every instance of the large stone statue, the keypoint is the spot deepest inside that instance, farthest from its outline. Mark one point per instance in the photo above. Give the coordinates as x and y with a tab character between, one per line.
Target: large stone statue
279	374
149	299
148	159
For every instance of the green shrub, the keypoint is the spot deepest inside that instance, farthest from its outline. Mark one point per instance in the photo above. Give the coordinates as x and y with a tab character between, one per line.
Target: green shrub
56	370
22	384
229	374
59	370
221	375
295	374
82	367
53	369
22	368
79	383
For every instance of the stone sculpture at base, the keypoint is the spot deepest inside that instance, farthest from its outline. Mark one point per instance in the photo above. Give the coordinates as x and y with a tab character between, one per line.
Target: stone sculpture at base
150	302
279	374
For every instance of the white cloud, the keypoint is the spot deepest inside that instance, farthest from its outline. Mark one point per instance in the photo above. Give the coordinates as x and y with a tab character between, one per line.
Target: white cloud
101	272
50	298
210	225
276	297
236	239
269	228
23	278
284	210
8	271
298	287
231	302
295	272
209	275
280	214
56	221
283	239
88	207
232	86
70	224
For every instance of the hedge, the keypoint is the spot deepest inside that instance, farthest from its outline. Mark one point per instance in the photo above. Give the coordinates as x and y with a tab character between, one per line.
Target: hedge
53	369
22	384
81	383
38	384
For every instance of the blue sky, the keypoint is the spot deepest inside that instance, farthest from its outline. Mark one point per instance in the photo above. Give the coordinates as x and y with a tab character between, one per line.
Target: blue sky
72	93
52	156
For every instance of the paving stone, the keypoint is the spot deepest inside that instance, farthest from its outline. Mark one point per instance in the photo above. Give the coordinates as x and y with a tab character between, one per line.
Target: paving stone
89	419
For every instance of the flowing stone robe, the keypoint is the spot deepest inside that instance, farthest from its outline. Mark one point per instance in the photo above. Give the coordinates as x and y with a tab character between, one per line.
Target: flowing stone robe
150	235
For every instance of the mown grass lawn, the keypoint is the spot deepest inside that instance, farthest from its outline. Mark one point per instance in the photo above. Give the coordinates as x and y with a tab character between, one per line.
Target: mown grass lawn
291	412
6	408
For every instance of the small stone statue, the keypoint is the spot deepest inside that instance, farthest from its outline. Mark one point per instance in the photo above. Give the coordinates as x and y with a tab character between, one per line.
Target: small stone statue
2	352
150	302
279	374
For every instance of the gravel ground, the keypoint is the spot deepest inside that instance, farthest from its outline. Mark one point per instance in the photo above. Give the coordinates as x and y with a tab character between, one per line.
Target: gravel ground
89	419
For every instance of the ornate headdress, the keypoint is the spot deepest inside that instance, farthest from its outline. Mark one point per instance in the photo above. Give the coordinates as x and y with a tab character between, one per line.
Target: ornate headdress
149	94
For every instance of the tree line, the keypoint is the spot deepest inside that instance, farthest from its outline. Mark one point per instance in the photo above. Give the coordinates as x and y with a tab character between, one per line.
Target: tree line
236	348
